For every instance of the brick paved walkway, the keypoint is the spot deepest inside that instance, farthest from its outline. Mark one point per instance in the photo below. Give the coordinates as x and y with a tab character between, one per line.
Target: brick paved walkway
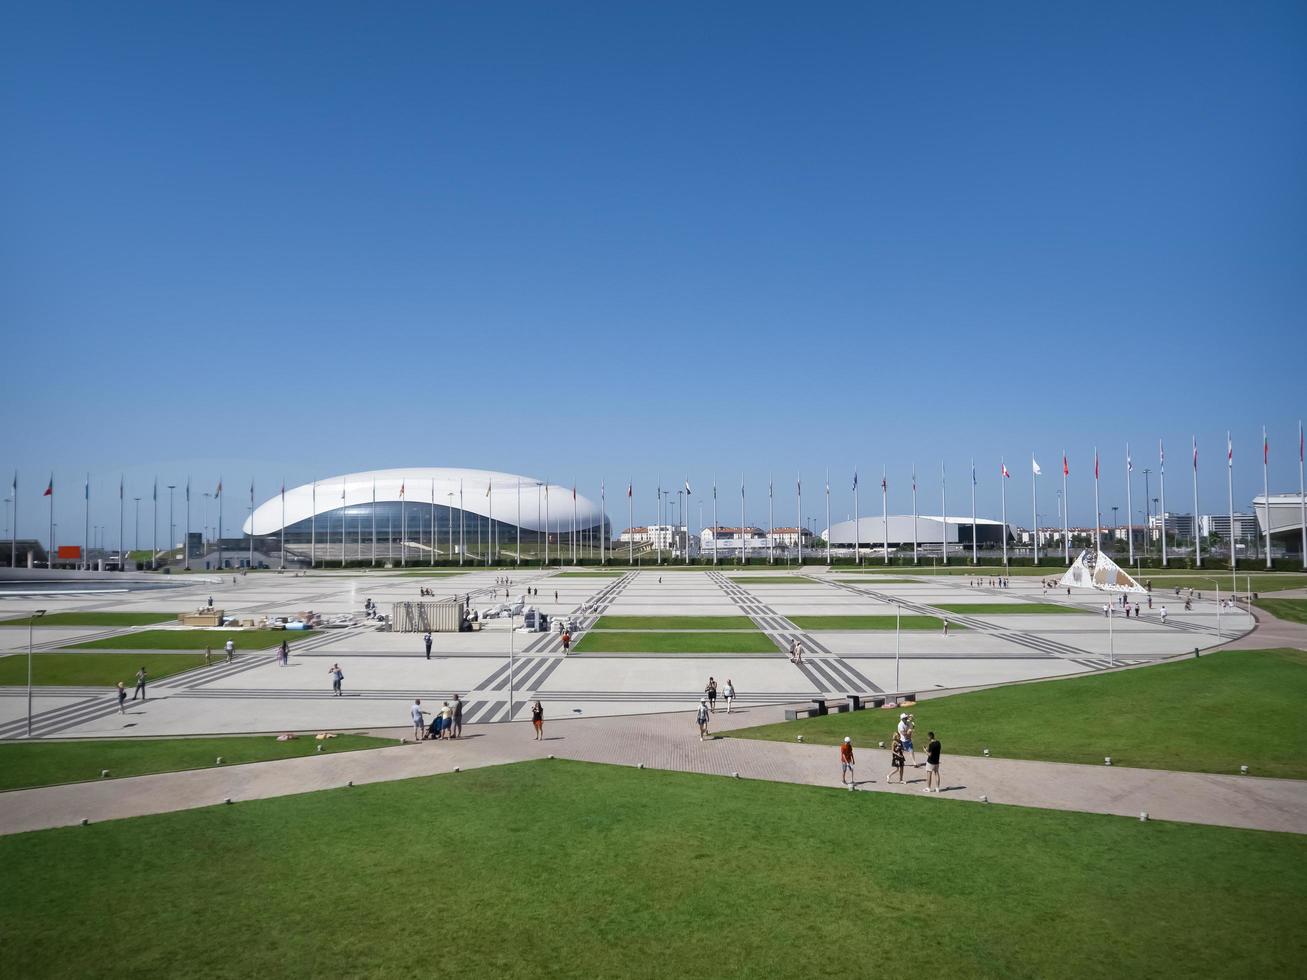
670	741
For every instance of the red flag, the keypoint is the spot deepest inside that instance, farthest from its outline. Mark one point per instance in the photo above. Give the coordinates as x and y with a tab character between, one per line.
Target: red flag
1095	464
1266	448
49	490
1066	470
1006	474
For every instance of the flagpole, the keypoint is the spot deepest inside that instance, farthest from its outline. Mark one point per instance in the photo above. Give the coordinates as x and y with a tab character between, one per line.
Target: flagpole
914	513
374	519
771	526
1098	517
744	534
219	495
884	511
344	519
13	536
251	521
432	562
827	523
546	524
1302	498
630	538
975	553
1198	541
86	525
1002	484
1229	484
716	527
403	522
186	546
1034	507
154	558
50	561
519	522
122	561
1161	478
1066	526
462	543
603	524
1129	505
313	529
857	528
1265	488
283	519
943	513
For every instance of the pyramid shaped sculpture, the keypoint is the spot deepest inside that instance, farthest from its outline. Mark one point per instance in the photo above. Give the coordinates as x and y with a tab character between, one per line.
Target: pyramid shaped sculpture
1094	570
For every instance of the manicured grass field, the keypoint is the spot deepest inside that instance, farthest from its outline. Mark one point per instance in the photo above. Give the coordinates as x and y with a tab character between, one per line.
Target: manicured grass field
569	869
25	764
979	571
676	642
597	573
878	581
1291	610
768	579
1214	714
96	619
1206	582
870	623
1007	608
94	669
674	623
432	573
192	639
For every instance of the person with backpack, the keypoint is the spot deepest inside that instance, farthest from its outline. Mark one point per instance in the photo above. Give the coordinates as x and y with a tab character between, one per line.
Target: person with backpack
337	675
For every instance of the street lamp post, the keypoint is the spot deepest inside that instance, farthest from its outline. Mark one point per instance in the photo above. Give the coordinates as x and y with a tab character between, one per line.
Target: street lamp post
1114	510
172	525
34	617
138	524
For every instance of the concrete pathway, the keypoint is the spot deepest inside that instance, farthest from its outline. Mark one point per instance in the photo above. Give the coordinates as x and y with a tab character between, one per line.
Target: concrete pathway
670	741
1271	632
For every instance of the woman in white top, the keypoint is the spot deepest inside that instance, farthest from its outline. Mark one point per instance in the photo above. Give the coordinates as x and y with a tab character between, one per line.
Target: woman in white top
729	694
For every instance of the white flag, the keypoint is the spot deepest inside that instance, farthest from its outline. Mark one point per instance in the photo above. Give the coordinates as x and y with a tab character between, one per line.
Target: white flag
1035	467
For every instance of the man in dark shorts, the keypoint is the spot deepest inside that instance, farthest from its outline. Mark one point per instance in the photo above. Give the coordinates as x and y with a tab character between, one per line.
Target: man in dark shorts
458	716
427	641
141	677
932	764
711	691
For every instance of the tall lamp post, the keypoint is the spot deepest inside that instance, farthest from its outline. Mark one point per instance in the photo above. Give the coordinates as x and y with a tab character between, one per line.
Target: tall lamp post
1114	510
35	616
172	525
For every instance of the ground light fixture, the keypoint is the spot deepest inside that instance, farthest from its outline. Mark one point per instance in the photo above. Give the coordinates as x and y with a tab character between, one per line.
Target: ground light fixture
32	619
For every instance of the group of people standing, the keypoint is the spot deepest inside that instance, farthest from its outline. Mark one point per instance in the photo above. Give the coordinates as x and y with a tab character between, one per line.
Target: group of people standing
447	722
900	748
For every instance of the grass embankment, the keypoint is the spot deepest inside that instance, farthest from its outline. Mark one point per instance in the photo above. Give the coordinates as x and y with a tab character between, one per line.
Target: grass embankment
674	623
1007	608
1214	714
24	764
94	669
684	641
1290	610
644	872
870	623
192	639
74	618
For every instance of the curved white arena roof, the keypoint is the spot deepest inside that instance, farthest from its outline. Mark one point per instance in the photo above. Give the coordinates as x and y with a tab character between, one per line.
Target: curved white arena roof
419	484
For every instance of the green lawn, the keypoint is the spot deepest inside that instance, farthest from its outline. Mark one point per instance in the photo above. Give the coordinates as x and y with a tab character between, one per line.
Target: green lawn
568	869
597	573
431	573
879	581
46	763
870	623
675	642
674	623
978	571
191	639
94	669
96	619
769	579
1292	610
1214	714
1007	608
1207	582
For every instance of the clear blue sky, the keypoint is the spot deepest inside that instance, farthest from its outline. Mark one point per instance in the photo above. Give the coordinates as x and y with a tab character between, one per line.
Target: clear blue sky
623	241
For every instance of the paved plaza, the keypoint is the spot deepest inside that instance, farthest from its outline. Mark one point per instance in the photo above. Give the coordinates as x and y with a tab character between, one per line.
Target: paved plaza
384	671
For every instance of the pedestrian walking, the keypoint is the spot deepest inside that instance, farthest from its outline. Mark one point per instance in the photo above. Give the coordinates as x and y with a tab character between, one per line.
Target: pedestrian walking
337	675
932	763
458	716
846	762
701	716
283	653
895	759
122	699
798	652
426	640
538	720
1164	615
141	676
729	694
711	691
555	595
905	735
419	725
567	641
231	649
946	627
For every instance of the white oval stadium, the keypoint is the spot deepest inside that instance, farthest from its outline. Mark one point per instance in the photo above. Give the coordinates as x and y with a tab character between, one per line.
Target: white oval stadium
439	509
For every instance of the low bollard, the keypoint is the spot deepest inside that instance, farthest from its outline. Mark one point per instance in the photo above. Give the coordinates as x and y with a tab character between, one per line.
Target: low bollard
1143	816
1107	760
218	761
104	773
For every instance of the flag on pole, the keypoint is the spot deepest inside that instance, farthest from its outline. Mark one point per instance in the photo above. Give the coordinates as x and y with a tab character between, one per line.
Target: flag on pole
973	472
629	489
86	489
1066	470
401	489
884	486
573	491
251	493
120	487
188	489
1005	473
488	484
1229	451
1195	441
49	487
687	488
1096	462
769	488
855	479
1035	467
1266	448
216	493
1129	463
1161	456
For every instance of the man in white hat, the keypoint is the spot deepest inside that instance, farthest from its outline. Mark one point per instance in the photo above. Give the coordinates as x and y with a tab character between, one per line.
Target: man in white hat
702	718
846	761
905	736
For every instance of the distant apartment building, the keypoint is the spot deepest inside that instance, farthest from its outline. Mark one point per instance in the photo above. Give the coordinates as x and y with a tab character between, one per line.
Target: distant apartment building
1218	526
1177	525
789	537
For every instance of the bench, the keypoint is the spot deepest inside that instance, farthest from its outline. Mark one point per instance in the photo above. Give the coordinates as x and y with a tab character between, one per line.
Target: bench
813	710
861	701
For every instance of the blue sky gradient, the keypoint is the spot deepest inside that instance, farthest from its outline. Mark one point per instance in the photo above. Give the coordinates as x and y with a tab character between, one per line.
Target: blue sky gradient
615	241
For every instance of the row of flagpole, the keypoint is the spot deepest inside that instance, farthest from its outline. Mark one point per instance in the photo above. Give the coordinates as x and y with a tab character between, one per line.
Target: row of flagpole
683	518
